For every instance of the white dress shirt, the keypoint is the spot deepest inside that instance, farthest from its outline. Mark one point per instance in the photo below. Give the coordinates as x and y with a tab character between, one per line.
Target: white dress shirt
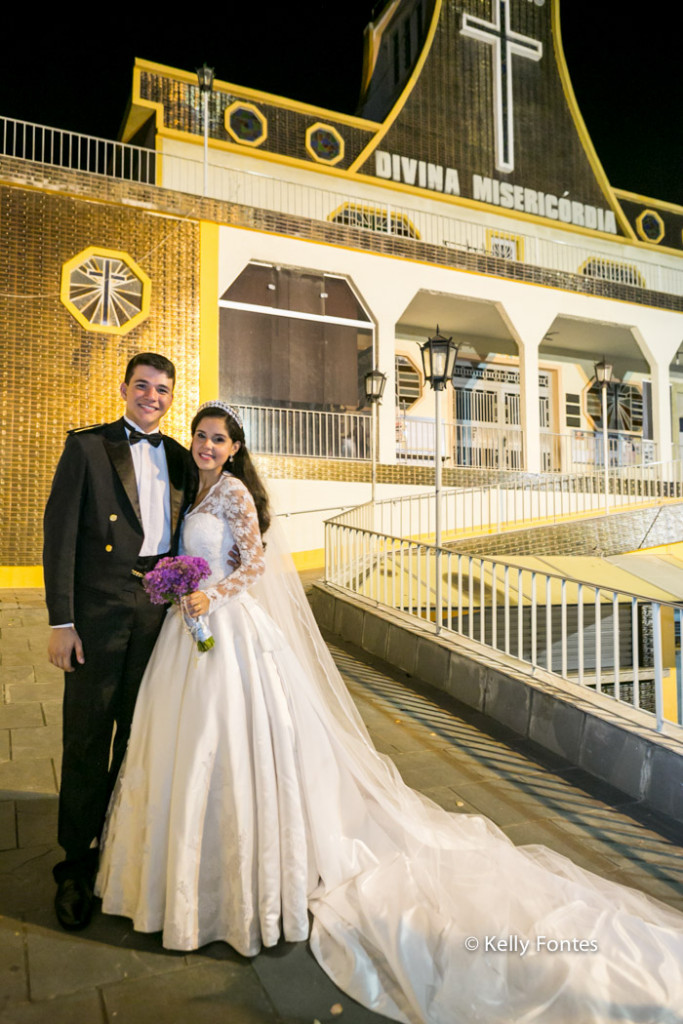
151	477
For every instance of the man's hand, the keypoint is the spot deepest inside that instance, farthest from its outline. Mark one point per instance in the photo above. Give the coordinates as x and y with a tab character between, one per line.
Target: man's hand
62	643
234	559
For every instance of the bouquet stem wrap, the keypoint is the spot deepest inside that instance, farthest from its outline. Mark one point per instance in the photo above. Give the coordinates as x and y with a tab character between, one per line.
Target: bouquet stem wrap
198	629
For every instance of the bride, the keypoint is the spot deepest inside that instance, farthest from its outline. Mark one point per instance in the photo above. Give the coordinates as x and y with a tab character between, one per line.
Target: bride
251	794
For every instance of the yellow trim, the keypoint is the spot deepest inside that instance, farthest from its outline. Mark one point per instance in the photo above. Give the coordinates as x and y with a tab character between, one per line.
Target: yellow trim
401	101
19	576
675	549
243	105
641	231
313	559
491	233
129	128
638	277
333	131
257	95
634	197
382	210
209	239
116	254
580	124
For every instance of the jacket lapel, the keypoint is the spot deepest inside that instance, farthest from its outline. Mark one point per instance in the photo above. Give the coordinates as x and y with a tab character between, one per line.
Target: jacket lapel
177	478
118	449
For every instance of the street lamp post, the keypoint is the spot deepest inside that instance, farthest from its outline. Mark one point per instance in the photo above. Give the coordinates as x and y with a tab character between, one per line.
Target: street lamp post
375	381
603	375
438	360
205	78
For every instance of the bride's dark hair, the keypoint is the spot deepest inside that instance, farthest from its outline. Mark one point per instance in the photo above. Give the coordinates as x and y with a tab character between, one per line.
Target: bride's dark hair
241	466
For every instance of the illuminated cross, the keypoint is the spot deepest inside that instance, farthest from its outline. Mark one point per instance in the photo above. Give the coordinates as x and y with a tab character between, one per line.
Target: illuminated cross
108	285
505	43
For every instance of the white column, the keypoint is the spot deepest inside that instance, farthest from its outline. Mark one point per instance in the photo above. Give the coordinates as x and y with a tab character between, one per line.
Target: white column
386	297
659	343
529	322
385	355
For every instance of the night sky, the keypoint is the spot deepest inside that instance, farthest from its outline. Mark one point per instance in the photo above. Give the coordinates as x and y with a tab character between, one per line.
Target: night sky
77	75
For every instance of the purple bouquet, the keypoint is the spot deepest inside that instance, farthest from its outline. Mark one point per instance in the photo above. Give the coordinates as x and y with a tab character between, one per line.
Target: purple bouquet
171	580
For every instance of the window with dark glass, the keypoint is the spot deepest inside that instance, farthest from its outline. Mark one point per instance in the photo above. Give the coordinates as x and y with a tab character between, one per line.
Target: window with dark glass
293	338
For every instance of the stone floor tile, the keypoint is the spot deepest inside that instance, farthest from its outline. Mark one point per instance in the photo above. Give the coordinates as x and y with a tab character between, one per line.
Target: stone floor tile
661	889
504	808
13	977
17	716
62	962
82	1008
37	822
8	825
626	838
27	776
22	693
449	799
548	832
26	885
208	993
118	932
36	741
312	995
427	769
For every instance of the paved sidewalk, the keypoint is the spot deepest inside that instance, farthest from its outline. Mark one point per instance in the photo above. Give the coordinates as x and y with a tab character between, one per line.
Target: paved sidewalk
109	974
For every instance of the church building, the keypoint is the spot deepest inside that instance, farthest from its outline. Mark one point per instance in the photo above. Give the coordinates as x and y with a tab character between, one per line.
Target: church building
278	251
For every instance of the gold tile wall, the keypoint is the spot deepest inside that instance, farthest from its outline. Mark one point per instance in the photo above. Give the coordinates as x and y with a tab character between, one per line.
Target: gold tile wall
55	375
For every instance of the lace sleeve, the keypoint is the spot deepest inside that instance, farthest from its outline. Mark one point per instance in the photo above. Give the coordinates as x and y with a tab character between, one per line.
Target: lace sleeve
236	506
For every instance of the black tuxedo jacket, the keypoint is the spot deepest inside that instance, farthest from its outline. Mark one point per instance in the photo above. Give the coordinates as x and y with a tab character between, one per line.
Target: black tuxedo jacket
92	528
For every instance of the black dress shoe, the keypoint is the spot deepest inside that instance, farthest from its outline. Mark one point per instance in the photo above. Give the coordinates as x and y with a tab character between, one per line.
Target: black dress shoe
74	903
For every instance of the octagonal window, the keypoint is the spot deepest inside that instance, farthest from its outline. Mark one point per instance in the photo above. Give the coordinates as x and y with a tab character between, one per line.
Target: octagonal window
650	226
105	290
324	143
246	124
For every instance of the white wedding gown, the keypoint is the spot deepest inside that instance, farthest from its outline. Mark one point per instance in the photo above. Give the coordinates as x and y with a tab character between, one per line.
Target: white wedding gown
251	794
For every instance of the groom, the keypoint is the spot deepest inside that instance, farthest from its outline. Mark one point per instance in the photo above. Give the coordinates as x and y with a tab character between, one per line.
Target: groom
114	510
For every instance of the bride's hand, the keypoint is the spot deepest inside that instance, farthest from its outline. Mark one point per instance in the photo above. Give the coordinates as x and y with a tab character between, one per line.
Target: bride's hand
196	604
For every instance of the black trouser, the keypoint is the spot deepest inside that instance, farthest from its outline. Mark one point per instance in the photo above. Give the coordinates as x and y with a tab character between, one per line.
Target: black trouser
118	634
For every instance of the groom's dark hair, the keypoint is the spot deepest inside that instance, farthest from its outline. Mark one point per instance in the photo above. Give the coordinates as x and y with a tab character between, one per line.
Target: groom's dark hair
150	359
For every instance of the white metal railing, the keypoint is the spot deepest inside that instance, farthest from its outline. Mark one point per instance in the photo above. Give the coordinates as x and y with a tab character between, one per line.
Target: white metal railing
484	446
57	147
579	449
612	641
260	191
517	500
169	168
307	432
478	446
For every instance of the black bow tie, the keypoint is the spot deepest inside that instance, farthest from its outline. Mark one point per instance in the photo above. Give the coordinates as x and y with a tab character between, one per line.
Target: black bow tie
136	435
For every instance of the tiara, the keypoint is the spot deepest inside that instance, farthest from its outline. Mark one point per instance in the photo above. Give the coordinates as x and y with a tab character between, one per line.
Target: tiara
217	404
